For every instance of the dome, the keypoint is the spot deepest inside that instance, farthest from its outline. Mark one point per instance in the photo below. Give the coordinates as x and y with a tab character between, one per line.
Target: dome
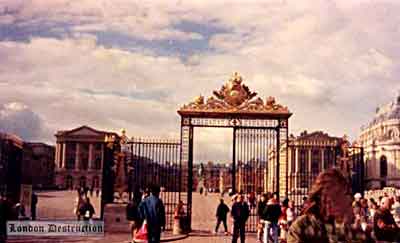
387	112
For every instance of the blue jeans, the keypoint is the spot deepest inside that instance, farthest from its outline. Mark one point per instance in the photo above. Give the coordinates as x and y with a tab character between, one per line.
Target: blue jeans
268	227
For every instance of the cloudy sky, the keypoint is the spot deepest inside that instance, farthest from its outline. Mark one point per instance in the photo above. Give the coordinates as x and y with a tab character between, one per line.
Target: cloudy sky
132	64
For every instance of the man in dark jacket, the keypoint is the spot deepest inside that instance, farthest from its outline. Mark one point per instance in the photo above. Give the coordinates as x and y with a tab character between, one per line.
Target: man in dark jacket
222	211
270	216
86	209
240	213
152	210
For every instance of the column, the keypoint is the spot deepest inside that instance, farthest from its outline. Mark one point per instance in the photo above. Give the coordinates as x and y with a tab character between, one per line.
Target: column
77	156
102	156
297	164
90	162
309	160
64	154
56	156
297	160
322	159
59	155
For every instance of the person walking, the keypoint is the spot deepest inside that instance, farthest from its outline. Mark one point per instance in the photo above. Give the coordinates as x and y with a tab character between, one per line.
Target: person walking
222	212
290	213
240	213
34	202
270	216
260	209
152	210
78	204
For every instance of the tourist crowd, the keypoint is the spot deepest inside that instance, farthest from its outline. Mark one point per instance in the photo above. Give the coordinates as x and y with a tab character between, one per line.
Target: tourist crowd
329	213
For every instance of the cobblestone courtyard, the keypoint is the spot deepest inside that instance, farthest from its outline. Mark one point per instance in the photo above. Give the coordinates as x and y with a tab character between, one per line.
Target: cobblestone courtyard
60	204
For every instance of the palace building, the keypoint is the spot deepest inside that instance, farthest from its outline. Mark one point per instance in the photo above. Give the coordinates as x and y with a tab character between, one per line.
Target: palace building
380	139
11	151
38	165
79	157
310	154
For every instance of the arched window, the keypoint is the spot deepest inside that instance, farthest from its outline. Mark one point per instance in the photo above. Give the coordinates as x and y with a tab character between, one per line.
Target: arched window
384	167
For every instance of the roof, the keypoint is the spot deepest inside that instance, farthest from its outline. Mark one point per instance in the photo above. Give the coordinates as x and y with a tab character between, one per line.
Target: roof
65	132
317	136
16	140
386	112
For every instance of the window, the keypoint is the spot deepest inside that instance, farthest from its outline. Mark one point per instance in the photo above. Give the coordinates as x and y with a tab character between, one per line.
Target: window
383	164
70	163
97	164
97	146
84	148
328	158
315	161
293	162
84	163
303	161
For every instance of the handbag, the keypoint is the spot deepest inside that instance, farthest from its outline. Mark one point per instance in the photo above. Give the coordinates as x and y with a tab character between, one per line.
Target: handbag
142	234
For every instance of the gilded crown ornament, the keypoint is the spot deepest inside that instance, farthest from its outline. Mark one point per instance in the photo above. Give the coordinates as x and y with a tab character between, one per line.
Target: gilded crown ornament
234	96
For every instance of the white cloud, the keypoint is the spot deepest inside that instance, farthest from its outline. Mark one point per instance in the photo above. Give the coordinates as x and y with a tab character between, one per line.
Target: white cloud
18	118
331	62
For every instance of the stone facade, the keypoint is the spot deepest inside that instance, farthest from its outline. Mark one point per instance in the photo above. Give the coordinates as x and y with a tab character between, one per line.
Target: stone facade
10	165
79	157
308	155
381	142
38	165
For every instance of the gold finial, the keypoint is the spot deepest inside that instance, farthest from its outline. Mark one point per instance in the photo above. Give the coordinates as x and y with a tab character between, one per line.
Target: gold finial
236	78
199	100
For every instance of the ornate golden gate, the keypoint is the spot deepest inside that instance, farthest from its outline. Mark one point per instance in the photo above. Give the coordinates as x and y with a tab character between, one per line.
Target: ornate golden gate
260	136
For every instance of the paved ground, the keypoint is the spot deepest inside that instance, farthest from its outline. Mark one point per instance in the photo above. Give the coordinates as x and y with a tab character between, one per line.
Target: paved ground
60	205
